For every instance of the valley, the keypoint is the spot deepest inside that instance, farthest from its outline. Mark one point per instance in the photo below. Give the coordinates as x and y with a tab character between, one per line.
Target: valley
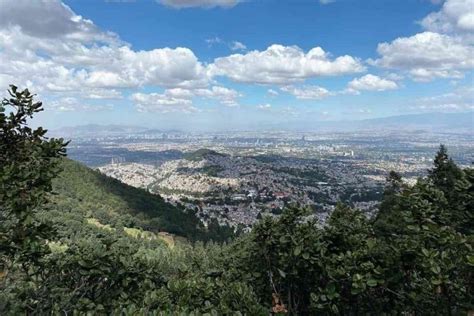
236	178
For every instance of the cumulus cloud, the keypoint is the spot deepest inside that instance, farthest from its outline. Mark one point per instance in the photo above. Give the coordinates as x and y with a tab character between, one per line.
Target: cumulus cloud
444	50
455	16
427	55
283	65
50	48
223	95
272	93
235	45
103	94
67	104
49	19
266	106
307	92
213	40
181	4
459	100
179	99
371	83
161	102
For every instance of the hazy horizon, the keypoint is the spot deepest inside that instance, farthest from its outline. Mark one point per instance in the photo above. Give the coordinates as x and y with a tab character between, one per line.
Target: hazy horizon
450	122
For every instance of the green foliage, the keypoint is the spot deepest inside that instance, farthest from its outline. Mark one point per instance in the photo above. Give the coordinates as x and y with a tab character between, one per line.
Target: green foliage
201	154
445	172
80	189
28	163
386	220
414	258
211	170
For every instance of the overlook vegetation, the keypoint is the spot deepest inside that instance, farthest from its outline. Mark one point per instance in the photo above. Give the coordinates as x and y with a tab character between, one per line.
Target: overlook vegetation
76	242
81	190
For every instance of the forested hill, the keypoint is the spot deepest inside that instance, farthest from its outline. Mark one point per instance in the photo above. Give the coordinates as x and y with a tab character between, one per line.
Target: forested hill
80	189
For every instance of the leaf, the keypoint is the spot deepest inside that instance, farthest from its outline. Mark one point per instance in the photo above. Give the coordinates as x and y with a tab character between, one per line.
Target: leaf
357	277
282	273
370	243
436	282
425	252
470	260
372	282
331	288
355	291
436	269
297	251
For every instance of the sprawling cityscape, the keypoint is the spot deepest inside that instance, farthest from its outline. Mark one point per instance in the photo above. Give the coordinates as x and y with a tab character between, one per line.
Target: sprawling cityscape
238	177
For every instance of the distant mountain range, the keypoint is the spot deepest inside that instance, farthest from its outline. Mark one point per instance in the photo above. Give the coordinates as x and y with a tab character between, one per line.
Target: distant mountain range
440	122
97	130
445	122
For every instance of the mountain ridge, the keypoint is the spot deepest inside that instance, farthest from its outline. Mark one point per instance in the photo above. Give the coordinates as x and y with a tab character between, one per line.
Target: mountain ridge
91	194
462	122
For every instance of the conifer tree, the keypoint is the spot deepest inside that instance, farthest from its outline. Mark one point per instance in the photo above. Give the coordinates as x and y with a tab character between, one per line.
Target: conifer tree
445	172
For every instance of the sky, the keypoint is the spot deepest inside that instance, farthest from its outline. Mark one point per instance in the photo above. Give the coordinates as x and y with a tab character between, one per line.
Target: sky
237	64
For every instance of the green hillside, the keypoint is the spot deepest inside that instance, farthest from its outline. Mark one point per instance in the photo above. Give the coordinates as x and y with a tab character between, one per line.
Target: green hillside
201	154
87	192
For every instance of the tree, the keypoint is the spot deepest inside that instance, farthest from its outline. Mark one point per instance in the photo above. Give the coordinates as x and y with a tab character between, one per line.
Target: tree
445	172
384	219
456	185
28	163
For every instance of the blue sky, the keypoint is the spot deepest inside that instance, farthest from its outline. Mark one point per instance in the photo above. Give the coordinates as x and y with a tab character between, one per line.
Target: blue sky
230	64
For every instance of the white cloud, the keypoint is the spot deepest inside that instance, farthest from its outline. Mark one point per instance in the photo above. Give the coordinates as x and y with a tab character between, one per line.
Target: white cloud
180	4
395	77
272	92
213	40
445	50
427	55
179	99
237	46
455	16
224	95
459	100
307	92
161	102
49	19
68	104
68	55
103	94
326	1
370	83
266	106
283	65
